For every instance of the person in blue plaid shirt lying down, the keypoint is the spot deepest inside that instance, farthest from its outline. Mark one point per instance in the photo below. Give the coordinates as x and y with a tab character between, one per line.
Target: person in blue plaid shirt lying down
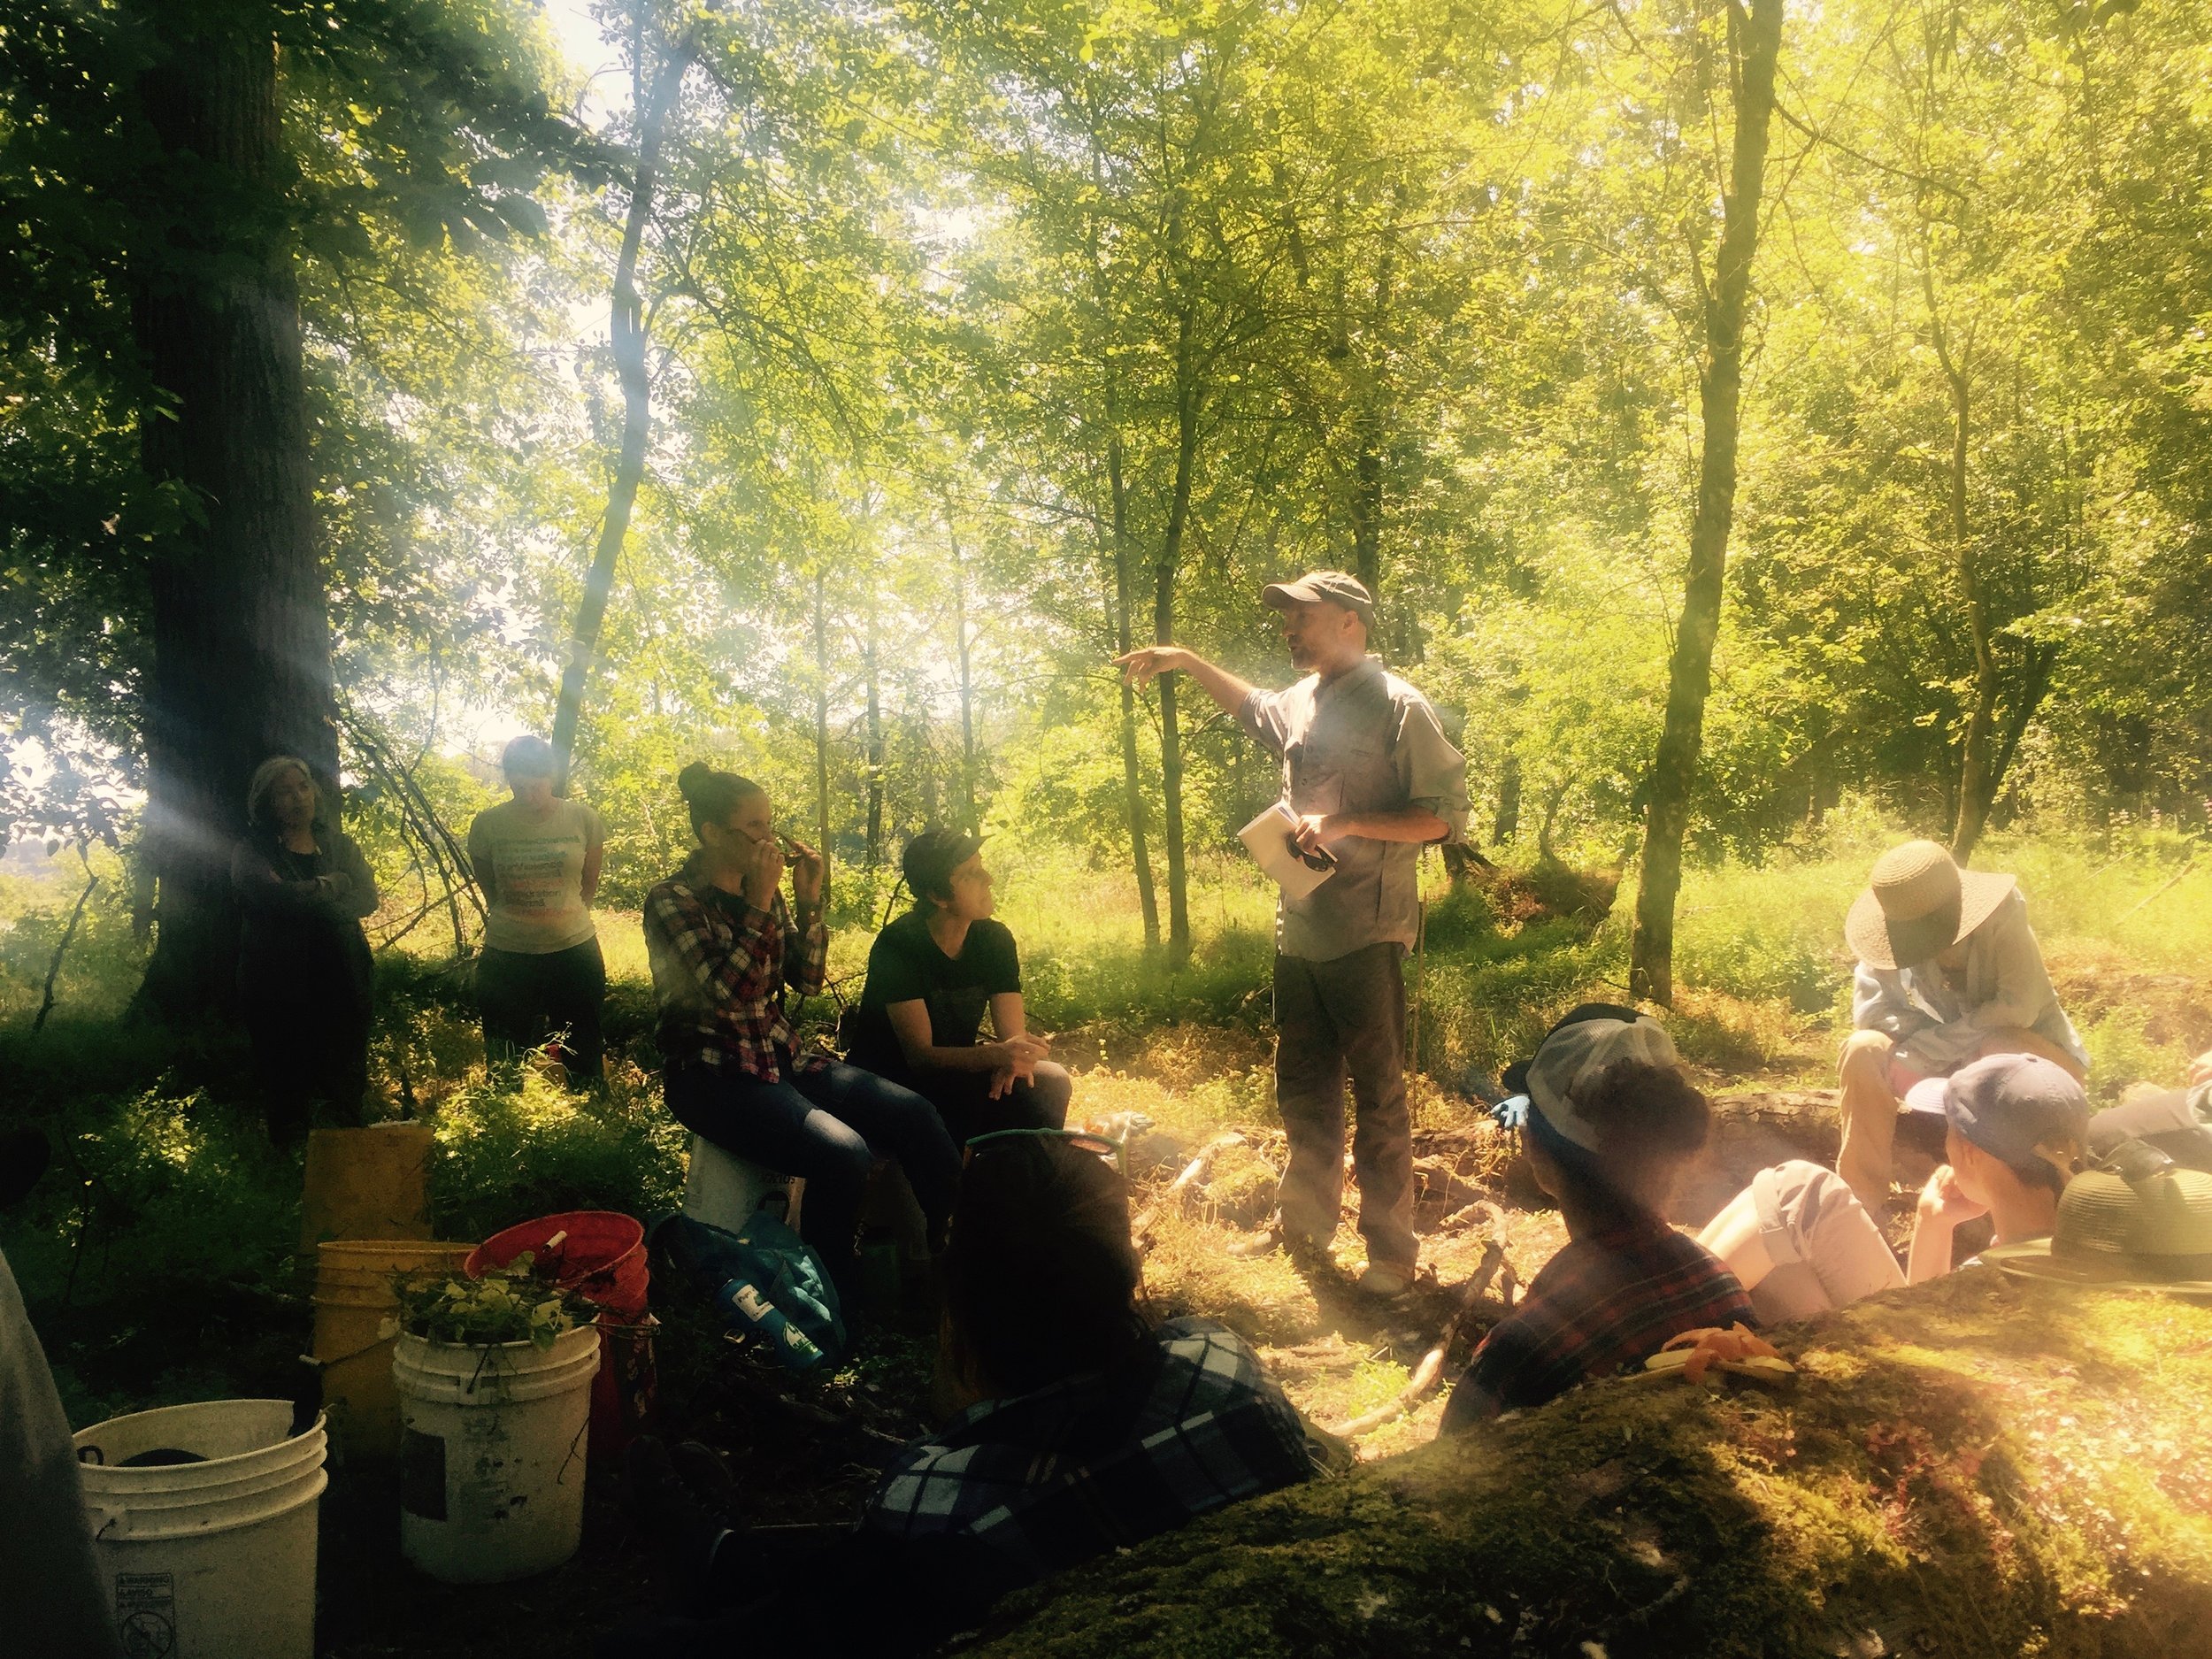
1087	1426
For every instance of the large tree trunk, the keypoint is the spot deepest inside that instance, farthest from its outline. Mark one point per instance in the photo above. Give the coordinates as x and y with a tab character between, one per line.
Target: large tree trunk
627	338
1757	38
241	627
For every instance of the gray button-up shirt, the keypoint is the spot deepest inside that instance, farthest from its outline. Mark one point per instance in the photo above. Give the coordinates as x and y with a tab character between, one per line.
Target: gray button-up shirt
1939	1020
1365	741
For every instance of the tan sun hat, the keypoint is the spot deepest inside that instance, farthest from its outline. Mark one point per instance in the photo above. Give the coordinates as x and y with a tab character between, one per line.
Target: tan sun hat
1918	903
2143	1224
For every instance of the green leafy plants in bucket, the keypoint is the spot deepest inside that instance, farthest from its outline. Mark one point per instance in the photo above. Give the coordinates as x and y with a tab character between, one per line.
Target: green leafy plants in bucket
507	1304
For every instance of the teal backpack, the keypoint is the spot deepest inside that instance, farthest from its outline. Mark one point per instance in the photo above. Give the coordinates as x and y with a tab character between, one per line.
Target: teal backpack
766	1280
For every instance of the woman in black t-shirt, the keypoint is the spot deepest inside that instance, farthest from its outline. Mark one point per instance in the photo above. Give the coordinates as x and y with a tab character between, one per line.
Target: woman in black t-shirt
933	975
305	976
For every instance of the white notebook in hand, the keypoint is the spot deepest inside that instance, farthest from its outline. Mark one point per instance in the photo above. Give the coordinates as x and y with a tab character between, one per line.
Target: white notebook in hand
1268	839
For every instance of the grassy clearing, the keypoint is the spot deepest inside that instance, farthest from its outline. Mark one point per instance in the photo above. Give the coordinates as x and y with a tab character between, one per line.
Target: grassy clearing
163	1238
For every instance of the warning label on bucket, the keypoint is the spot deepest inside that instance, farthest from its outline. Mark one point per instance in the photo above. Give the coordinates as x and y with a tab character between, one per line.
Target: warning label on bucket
146	1614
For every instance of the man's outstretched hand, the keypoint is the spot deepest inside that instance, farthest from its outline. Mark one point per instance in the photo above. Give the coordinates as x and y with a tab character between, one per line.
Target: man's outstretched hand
1142	666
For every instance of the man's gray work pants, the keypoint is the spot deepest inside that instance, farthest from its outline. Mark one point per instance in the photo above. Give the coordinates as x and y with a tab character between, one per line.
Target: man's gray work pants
1331	1017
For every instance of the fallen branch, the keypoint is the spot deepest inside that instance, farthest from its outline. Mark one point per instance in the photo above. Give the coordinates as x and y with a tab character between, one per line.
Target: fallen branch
1185	1182
1180	1188
1432	1366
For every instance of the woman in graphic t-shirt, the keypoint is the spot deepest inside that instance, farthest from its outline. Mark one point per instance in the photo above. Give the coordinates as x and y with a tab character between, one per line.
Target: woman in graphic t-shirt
541	978
933	975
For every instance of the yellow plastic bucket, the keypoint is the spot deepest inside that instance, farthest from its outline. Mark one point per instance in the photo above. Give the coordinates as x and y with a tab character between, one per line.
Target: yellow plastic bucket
353	1298
371	1183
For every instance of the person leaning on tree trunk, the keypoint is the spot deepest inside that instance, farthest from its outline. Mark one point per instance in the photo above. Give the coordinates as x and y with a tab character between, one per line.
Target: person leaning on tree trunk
1371	779
541	978
1949	972
305	978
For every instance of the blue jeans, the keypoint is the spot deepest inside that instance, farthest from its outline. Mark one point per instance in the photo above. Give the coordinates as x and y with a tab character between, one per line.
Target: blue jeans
826	1127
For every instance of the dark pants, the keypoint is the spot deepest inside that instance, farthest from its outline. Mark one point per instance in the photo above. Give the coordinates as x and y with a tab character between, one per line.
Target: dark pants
529	1000
963	1099
1332	1017
307	1051
826	1128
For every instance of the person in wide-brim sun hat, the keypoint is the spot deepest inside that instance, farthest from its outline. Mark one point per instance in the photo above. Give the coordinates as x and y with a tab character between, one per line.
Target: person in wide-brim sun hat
1948	973
1918	903
2140	1223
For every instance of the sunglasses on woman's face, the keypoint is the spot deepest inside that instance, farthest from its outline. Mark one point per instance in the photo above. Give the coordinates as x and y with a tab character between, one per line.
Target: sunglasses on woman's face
1081	1139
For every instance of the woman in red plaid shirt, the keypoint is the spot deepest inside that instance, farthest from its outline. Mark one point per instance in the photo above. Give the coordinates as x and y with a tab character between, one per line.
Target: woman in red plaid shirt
723	946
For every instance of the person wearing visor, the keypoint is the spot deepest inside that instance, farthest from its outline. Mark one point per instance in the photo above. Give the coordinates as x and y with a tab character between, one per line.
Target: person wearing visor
2015	1128
1948	973
1607	1120
933	974
1370	778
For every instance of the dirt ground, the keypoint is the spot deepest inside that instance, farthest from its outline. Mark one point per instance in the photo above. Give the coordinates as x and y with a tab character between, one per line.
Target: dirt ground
805	1454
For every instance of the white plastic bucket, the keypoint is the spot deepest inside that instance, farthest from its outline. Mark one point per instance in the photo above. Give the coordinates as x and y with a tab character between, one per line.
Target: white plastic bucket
723	1190
492	1453
208	1560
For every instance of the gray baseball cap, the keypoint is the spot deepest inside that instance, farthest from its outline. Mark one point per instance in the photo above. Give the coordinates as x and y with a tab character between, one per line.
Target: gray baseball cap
1333	587
1582	1046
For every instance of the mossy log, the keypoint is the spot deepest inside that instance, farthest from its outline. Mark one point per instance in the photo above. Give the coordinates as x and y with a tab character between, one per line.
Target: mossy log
1977	1467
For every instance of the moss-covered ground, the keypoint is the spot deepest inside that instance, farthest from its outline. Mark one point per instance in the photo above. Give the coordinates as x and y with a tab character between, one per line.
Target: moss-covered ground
1981	1466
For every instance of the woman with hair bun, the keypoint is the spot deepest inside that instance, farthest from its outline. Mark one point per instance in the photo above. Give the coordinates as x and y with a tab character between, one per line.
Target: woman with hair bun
724	945
305	976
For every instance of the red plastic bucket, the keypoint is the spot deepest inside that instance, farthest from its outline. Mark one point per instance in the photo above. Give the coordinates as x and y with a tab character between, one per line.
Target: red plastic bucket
600	1256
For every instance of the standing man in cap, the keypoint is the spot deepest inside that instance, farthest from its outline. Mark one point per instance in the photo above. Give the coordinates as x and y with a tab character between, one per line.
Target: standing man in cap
1371	779
1948	973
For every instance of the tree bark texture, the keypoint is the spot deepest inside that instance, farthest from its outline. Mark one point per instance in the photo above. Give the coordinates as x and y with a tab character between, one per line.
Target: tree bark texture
241	626
1755	38
626	340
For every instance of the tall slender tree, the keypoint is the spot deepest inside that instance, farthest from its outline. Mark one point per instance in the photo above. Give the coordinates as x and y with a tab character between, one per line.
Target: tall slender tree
1753	46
